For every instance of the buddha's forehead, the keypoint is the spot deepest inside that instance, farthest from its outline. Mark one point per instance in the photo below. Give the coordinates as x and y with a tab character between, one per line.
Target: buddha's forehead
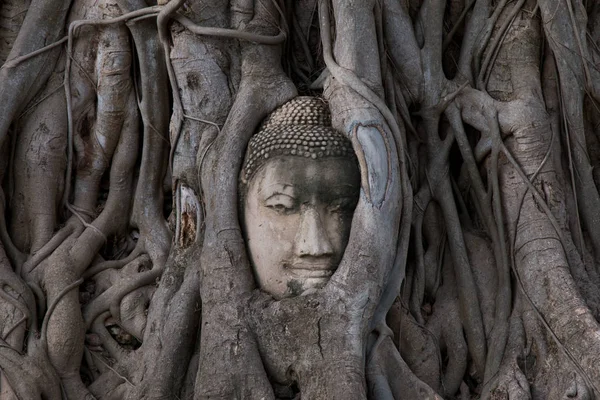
299	176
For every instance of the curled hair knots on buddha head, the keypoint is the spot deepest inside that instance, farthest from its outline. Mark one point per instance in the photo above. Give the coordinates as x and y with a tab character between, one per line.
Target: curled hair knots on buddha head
299	128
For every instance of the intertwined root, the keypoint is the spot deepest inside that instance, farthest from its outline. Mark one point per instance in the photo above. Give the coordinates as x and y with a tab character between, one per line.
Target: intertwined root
483	203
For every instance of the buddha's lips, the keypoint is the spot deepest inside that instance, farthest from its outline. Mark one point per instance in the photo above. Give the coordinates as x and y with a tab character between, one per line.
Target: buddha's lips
311	270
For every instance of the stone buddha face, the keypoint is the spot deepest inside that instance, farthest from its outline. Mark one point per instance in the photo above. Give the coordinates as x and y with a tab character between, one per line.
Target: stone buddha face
298	201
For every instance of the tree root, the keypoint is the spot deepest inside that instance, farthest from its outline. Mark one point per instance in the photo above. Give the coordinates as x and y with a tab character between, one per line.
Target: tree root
111	298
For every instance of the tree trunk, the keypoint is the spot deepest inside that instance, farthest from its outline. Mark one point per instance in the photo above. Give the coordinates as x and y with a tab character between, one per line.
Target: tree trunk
472	264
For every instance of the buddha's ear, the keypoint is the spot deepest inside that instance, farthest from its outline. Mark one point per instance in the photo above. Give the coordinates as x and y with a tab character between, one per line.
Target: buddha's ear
241	206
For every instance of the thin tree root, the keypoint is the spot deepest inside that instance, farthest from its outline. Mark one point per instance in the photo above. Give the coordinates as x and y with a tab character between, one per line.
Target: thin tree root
67	289
115	294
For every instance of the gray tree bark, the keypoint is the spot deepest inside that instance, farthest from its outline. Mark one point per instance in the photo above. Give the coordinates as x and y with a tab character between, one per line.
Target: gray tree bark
473	264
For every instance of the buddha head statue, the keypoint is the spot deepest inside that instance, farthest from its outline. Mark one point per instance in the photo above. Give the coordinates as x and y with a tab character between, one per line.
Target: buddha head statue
299	186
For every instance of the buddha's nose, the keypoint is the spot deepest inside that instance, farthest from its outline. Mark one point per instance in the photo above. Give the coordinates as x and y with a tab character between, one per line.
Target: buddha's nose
311	239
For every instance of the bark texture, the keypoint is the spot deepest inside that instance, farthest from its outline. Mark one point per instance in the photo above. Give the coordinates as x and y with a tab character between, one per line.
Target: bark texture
473	264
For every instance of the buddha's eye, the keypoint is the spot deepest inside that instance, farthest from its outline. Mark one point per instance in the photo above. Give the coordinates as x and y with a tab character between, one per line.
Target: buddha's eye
343	205
281	203
280	208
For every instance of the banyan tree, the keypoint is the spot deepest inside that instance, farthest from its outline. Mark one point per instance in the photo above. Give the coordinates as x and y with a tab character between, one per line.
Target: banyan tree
316	199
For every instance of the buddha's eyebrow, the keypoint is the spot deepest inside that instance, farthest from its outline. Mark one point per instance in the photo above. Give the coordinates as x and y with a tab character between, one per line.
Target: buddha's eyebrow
345	188
346	185
277	188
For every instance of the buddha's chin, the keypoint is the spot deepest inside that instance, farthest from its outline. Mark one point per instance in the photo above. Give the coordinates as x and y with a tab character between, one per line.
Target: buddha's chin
304	286
315	283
